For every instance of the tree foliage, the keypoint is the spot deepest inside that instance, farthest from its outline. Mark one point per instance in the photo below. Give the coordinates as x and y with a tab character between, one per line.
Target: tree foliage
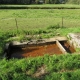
15	1
37	1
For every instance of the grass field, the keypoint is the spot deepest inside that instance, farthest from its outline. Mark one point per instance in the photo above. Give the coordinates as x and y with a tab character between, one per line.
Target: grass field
46	23
28	19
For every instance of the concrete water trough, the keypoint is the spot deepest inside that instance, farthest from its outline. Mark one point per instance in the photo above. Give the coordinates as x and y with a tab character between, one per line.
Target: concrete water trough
57	45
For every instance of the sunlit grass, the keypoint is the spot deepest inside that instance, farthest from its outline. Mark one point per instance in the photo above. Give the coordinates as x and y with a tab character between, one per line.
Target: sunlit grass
61	67
38	18
37	22
46	23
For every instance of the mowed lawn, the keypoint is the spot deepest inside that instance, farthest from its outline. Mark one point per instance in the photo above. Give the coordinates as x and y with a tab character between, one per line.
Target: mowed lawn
31	19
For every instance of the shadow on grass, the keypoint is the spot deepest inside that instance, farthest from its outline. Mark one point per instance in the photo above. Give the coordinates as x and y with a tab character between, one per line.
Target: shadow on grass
3	41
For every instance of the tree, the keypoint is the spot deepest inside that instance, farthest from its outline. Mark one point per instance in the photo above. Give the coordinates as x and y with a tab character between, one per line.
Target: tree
47	1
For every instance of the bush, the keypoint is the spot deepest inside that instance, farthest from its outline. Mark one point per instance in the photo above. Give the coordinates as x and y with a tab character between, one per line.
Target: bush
63	67
53	76
73	1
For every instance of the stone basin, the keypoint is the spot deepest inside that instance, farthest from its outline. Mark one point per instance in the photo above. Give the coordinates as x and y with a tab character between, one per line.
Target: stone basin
34	48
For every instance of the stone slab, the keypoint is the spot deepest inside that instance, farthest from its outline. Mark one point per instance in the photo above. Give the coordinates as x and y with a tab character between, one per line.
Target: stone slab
74	39
38	42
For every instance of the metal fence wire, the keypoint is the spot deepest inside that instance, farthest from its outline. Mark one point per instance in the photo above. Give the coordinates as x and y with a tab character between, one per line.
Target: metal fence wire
36	23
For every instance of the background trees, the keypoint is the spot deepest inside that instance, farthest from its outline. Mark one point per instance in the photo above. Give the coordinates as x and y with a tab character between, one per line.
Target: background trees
15	1
37	1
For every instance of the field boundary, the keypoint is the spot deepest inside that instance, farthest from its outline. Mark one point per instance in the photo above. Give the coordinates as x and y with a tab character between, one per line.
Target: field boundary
39	7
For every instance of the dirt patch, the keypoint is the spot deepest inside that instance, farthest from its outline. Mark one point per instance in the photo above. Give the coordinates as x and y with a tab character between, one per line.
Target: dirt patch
41	71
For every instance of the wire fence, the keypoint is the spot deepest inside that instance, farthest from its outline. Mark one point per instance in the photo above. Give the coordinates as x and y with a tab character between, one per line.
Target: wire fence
10	24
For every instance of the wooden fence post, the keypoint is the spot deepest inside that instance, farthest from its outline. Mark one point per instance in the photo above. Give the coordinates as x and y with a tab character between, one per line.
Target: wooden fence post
16	25
62	22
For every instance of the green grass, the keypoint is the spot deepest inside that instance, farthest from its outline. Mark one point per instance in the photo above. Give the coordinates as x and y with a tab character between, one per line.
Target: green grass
46	23
42	6
63	67
41	22
37	18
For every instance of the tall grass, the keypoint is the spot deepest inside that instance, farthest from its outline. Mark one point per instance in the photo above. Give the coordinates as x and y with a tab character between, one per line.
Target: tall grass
61	67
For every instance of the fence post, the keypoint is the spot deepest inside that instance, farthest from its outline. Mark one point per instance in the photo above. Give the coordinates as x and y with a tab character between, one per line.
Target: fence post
62	22
16	25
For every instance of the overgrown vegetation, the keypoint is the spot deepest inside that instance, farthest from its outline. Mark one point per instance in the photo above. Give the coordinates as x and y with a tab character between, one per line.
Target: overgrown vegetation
38	24
28	35
62	67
